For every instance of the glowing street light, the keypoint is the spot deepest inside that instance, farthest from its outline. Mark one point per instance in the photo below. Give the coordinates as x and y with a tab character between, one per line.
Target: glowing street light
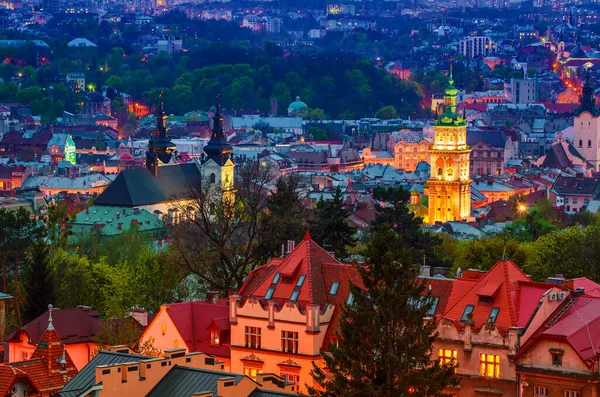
522	208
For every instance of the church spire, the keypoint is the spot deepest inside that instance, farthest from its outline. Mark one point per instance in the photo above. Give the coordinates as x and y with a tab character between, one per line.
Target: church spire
217	148
588	102
160	146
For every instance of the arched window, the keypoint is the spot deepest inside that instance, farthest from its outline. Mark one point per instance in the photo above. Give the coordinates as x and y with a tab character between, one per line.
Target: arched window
450	138
449	172
213	178
441	137
580	143
440	173
589	143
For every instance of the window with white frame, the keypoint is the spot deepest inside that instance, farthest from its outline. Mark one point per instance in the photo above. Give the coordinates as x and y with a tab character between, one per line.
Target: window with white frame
289	342
253	337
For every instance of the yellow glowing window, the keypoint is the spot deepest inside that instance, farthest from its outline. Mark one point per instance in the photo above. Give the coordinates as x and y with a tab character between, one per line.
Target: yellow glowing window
252	372
489	365
164	328
446	356
176	343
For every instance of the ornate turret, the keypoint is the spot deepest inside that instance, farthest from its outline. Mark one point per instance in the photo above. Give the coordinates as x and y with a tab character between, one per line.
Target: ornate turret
449	191
160	147
217	148
588	102
450	115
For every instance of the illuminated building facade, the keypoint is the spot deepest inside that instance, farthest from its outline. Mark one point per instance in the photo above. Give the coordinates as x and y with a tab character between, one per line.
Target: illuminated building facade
586	126
450	182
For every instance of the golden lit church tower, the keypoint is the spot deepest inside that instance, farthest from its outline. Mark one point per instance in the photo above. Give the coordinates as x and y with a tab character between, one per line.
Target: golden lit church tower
450	182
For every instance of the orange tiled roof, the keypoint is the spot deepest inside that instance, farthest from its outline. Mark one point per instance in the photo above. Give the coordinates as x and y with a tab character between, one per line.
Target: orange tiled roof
43	370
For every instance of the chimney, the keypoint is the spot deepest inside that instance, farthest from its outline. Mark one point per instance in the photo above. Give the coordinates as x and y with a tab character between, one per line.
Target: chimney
120	226
87	210
233	300
490	182
274	107
212	296
134	222
290	246
140	315
118	215
313	320
425	271
136	211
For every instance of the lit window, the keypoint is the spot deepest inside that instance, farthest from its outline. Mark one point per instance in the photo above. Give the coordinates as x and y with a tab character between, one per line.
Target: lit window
571	393
334	288
289	342
468	310
447	356
300	280
252	372
214	337
294	296
489	365
540	391
493	315
275	279
253	337
269	293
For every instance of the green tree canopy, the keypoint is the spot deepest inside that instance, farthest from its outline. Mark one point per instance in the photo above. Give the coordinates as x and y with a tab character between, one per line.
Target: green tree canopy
330	228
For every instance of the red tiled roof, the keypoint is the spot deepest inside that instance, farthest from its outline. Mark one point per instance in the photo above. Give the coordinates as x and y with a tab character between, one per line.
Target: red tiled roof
8	375
500	288
320	271
192	320
440	288
73	325
579	326
309	260
43	369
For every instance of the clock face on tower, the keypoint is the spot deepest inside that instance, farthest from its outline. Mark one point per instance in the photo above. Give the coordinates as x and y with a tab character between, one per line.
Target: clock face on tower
446	119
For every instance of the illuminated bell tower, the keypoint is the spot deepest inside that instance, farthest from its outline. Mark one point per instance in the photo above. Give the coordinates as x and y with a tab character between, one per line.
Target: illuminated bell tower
450	182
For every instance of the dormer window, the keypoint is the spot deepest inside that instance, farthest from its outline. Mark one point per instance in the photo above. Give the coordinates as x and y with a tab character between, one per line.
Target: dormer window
269	294
468	310
215	339
557	356
294	296
276	279
334	288
350	300
433	307
300	280
493	315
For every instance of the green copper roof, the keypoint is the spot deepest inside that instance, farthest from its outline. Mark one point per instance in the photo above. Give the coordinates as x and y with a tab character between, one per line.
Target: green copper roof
111	217
297	105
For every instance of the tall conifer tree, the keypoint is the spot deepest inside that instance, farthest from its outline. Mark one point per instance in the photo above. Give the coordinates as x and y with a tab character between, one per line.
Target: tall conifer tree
330	228
384	344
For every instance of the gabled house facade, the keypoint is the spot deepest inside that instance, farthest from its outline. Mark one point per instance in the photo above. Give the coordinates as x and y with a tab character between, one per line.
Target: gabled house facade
286	311
487	316
562	356
200	326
